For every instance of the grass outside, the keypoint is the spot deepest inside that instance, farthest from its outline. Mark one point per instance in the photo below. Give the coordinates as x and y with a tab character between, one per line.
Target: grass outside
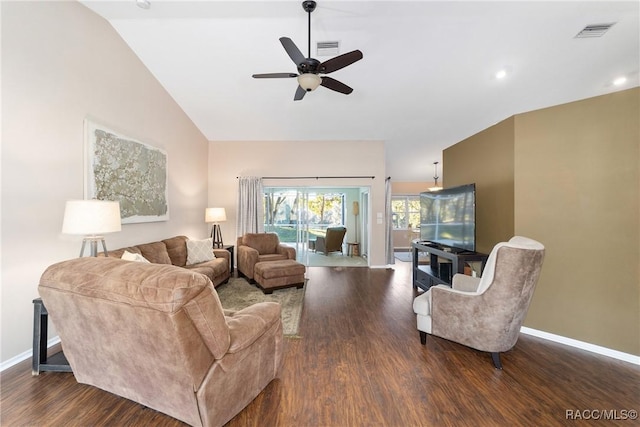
288	233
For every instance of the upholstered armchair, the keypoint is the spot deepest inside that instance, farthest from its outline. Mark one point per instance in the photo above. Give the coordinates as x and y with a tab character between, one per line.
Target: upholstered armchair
157	334
260	247
332	241
485	313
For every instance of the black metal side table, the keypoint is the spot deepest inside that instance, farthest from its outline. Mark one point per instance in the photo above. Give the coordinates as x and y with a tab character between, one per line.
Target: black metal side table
231	249
39	360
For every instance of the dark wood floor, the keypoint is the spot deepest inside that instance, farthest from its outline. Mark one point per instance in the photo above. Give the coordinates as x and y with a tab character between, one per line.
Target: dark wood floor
360	363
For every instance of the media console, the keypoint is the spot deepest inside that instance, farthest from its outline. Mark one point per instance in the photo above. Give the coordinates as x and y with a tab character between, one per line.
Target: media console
443	264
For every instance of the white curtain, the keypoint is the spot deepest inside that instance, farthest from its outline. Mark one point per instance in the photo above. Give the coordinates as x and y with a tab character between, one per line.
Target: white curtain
389	256
250	208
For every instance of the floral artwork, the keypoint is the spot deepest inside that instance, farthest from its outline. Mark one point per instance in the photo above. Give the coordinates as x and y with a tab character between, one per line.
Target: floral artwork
125	170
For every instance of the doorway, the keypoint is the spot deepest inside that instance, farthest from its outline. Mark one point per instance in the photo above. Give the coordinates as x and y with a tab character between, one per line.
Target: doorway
299	215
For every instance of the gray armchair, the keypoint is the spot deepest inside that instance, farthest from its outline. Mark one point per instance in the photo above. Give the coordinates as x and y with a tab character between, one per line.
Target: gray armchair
332	241
485	313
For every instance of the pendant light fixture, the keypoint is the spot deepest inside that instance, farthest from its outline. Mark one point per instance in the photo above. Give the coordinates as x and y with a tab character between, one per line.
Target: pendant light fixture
435	187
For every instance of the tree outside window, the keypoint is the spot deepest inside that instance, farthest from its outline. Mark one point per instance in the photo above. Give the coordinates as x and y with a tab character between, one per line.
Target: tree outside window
405	211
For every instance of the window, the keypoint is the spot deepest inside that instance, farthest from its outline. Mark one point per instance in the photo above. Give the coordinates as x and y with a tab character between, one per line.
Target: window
405	211
285	210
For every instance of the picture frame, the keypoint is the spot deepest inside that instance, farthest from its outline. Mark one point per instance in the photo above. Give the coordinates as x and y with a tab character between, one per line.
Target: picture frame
121	168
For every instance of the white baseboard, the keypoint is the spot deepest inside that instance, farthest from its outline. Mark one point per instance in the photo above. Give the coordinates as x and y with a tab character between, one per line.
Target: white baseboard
615	354
26	355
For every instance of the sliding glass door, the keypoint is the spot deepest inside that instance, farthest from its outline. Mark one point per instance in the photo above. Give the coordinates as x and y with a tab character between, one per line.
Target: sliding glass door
300	215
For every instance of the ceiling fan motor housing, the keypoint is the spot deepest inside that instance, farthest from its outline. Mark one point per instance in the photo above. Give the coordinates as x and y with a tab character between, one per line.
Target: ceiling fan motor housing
309	65
309	5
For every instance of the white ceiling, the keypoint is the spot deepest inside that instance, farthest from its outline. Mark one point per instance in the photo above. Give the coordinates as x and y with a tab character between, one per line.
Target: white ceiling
426	80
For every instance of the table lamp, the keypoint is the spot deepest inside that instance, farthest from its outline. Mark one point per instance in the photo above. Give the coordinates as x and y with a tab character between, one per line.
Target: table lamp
215	215
91	218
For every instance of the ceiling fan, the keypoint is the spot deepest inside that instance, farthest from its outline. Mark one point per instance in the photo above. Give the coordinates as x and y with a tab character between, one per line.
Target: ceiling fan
309	69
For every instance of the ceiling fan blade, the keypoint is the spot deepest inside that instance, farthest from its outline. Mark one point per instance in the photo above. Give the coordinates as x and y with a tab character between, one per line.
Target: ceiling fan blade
292	50
341	61
333	84
274	75
300	93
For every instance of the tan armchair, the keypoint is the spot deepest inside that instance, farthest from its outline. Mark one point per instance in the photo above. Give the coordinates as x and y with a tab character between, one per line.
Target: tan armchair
260	247
485	313
332	241
157	334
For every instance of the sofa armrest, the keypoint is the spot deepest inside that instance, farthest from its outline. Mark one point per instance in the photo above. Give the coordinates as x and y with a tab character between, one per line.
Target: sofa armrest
288	251
462	282
247	259
222	253
250	323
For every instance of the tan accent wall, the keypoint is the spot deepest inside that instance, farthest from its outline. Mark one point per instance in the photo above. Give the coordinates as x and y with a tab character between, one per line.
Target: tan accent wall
576	190
575	186
486	159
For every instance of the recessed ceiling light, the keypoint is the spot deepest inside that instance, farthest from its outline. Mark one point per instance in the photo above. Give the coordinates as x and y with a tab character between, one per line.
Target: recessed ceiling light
620	81
501	74
144	4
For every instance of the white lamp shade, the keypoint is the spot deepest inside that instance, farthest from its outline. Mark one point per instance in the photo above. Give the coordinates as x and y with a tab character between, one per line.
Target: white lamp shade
215	215
91	217
309	81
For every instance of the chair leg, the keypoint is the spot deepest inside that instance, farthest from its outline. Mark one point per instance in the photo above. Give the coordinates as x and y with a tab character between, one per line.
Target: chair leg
423	338
496	360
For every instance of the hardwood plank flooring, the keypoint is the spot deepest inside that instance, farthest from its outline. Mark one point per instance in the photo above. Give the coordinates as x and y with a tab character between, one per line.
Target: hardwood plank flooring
360	363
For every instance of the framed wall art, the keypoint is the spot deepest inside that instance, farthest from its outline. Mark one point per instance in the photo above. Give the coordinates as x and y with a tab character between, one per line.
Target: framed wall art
120	168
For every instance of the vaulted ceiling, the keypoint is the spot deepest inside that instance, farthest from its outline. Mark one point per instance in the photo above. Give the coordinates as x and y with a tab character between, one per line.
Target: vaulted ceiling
427	79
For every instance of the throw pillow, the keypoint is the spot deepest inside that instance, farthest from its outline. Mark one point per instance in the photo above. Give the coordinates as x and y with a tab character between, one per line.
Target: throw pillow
199	251
128	256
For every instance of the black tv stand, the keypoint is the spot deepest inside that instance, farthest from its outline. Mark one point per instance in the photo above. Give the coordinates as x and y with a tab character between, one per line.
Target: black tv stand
443	264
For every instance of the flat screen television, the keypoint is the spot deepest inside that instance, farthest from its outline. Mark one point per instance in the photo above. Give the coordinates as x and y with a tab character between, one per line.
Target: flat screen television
448	217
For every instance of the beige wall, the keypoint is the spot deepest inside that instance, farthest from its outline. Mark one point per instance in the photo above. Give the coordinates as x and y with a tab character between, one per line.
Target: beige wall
574	184
229	160
576	190
60	63
486	159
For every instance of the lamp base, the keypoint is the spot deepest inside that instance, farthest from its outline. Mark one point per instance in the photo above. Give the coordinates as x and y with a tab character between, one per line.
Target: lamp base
93	240
216	235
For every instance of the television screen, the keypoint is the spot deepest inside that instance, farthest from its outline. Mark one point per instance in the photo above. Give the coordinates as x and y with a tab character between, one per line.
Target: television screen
448	217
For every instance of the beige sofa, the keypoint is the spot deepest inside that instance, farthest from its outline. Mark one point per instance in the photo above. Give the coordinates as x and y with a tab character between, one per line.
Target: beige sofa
157	334
253	248
174	251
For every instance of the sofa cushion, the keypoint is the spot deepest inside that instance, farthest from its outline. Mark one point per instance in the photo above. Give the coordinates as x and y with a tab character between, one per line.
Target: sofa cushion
271	257
177	250
155	252
117	253
199	251
215	268
264	243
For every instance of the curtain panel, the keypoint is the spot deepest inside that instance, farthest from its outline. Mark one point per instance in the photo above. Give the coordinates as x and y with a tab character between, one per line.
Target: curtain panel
250	206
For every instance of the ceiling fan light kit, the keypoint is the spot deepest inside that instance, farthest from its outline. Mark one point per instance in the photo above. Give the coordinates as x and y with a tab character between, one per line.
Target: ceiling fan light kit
309	68
309	81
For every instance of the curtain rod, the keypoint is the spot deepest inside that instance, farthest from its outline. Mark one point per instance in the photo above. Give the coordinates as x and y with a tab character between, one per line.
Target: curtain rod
315	177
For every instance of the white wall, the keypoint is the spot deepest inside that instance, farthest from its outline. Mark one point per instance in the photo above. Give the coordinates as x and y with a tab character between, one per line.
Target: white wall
229	160
60	63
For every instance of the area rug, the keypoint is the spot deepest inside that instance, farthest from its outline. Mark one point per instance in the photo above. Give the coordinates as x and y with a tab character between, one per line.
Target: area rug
403	256
238	294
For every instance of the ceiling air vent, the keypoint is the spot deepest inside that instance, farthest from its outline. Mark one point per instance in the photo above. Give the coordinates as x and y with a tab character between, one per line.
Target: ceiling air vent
328	48
594	30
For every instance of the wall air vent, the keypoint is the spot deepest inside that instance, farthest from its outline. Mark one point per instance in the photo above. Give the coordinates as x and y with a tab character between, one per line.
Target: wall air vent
594	30
328	48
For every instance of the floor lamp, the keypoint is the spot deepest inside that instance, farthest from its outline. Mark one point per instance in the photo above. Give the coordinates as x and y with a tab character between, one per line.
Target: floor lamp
91	218
356	212
215	215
